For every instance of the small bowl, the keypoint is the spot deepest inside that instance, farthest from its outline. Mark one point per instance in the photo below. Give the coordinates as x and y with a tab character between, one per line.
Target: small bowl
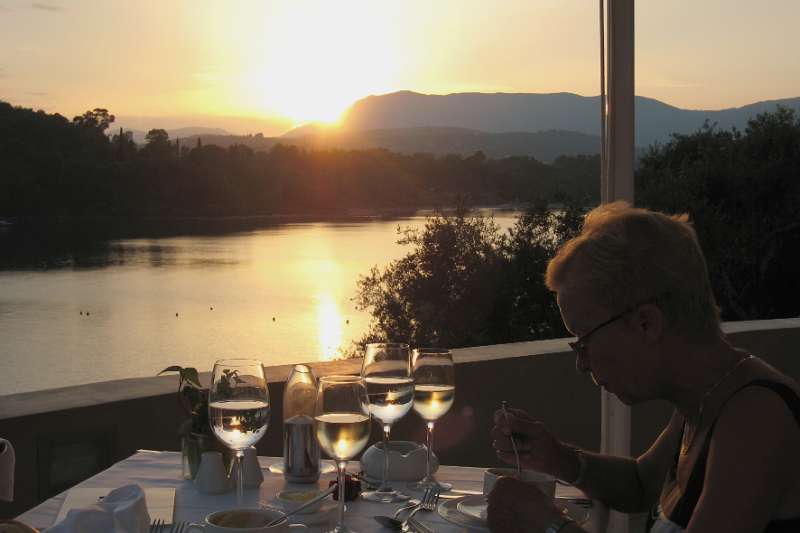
292	499
12	526
407	461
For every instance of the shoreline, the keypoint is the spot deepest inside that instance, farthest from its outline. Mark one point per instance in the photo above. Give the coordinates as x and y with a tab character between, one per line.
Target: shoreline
356	215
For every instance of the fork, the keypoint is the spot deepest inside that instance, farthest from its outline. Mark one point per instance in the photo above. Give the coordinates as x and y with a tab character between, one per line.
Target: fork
178	527
157	526
428	503
513	443
414	505
419	527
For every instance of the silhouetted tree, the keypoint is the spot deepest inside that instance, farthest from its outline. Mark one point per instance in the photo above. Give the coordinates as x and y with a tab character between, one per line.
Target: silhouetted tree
124	147
464	283
742	190
156	137
98	119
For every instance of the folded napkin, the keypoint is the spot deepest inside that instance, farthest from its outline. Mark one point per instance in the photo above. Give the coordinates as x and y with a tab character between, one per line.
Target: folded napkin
123	511
6	471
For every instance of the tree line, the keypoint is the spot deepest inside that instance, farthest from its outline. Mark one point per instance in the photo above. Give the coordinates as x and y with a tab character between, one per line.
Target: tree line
52	166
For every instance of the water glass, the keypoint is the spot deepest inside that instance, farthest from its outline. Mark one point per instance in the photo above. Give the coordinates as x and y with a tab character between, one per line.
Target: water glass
434	394
341	414
238	408
387	375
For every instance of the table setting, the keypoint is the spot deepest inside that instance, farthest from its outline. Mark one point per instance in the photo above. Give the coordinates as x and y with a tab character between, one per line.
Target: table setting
391	485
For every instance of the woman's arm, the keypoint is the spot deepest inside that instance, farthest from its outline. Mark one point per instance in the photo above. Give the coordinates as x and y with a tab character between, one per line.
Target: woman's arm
752	462
631	485
623	483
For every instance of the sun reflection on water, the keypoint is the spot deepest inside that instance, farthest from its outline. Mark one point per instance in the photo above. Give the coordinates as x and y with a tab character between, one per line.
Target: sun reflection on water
329	319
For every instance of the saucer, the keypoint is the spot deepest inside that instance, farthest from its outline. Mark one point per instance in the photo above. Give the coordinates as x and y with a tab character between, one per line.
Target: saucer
324	514
474	506
292	499
470	512
448	509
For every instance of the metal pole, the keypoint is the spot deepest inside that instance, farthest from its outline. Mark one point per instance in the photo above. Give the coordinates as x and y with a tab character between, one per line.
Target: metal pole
617	184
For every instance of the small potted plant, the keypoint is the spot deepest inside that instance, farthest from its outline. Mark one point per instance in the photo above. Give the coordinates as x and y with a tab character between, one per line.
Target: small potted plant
195	432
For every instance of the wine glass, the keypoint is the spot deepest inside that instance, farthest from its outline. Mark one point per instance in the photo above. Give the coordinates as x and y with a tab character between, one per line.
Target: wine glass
341	414
238	408
434	393
387	375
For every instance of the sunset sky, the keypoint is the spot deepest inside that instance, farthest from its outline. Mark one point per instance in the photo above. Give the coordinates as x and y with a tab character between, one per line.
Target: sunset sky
267	65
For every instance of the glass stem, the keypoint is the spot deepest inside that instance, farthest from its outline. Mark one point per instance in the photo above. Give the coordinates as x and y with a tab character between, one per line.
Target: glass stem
239	479
428	476
385	481
341	466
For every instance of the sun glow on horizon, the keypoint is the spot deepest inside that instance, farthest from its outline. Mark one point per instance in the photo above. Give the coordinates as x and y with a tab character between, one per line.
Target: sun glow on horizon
264	65
319	58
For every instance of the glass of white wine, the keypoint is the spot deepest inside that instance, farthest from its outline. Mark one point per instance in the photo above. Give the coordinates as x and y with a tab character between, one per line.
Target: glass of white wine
387	375
434	393
342	419
238	408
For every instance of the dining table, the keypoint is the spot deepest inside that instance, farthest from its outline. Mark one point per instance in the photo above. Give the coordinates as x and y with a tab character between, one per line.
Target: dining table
163	469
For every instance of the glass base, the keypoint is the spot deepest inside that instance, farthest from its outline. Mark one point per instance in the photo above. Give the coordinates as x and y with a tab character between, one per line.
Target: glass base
341	529
324	468
426	484
391	496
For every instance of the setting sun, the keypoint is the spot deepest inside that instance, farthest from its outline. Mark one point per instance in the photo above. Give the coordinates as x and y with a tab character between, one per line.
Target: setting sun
316	59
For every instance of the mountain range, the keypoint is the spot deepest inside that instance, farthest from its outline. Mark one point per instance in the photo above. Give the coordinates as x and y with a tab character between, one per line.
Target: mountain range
499	124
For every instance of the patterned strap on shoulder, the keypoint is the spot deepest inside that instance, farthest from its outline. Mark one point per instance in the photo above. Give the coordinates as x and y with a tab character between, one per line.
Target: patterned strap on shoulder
683	511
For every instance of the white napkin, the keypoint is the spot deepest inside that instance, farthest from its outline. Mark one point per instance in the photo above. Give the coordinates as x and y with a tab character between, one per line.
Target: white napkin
123	511
6	471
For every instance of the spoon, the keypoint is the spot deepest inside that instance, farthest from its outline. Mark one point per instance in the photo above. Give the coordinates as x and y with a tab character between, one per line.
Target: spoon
513	443
394	523
389	522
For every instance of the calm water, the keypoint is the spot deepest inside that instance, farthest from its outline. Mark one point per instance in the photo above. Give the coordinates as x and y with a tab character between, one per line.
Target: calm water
134	306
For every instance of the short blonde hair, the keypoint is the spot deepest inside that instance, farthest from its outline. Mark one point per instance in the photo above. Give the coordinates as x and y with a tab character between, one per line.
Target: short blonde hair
626	255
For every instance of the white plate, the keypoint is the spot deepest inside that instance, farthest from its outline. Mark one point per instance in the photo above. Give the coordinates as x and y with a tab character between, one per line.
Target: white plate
448	510
473	511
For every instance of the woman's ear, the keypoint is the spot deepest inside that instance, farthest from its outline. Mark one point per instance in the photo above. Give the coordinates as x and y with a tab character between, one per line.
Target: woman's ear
649	320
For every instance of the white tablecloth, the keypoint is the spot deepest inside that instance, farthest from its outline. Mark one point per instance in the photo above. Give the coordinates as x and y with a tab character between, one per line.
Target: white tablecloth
163	469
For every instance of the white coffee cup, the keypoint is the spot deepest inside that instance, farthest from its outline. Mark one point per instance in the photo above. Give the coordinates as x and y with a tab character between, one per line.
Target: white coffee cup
245	521
543	482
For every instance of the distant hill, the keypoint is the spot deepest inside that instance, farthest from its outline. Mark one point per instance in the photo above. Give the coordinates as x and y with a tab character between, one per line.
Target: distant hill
528	112
543	126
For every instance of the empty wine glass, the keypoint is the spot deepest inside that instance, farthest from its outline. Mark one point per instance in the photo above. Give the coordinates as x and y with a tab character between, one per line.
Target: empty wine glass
341	414
434	393
387	375
238	408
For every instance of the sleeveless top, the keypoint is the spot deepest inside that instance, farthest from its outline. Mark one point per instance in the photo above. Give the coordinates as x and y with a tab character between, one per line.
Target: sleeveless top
679	518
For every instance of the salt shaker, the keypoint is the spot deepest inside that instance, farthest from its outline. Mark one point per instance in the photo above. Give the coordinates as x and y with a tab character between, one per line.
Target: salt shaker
301	454
211	477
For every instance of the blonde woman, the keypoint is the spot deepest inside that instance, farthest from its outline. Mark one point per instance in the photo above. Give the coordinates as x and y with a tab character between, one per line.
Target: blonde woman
633	288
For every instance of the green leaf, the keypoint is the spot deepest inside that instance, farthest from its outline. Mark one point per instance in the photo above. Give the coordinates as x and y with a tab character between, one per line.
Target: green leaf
173	368
190	376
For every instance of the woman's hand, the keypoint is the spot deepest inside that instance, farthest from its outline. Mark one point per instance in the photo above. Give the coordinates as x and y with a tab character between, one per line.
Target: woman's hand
538	449
518	506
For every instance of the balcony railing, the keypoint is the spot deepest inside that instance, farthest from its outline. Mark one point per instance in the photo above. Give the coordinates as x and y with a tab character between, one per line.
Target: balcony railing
65	435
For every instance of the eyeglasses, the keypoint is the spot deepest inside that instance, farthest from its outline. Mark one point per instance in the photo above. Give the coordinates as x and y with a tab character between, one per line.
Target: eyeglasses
579	345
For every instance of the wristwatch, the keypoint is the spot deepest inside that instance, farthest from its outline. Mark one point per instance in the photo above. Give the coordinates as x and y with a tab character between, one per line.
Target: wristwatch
558	524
